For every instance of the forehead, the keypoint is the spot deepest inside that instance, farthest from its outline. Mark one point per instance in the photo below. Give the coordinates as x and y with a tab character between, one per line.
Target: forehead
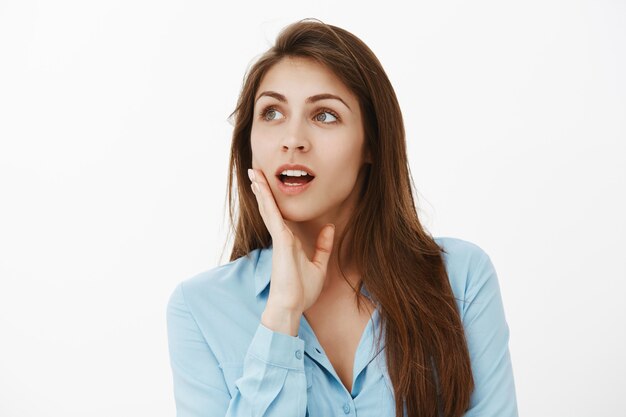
299	77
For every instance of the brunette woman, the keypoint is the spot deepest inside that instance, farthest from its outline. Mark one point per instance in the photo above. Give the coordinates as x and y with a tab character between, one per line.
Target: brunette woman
329	256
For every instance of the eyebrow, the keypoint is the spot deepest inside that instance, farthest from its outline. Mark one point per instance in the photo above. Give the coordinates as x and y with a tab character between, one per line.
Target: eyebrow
311	99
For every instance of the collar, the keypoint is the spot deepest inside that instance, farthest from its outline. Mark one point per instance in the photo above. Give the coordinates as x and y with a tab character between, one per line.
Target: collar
263	271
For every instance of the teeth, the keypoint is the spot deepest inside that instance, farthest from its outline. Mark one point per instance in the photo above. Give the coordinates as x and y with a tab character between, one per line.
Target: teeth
294	173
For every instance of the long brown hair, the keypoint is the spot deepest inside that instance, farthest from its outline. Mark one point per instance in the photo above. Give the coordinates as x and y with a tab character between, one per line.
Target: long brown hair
400	264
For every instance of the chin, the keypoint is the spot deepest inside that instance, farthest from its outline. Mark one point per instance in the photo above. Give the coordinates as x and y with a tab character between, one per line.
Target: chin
296	213
297	217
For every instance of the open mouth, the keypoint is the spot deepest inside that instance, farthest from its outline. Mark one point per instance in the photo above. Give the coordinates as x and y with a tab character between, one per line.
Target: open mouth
295	181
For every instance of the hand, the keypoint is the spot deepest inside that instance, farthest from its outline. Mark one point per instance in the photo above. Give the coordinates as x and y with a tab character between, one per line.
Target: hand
296	281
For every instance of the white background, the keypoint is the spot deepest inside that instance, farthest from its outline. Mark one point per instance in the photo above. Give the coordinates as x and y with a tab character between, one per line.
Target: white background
113	161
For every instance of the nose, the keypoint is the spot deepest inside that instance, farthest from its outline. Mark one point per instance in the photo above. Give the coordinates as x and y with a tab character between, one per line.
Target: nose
295	137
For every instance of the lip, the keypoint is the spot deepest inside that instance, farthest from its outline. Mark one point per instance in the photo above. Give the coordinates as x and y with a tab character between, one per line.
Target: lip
294	166
292	189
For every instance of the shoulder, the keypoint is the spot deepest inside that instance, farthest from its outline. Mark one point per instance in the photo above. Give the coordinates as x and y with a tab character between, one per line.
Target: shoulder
469	268
475	285
220	304
459	253
231	275
223	287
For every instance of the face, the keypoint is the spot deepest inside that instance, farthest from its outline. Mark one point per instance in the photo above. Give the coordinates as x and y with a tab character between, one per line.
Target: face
295	124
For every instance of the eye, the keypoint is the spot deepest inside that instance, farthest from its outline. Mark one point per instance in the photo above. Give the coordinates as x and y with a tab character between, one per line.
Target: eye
268	113
324	116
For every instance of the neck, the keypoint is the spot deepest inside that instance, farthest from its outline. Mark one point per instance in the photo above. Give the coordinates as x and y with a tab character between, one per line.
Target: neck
308	233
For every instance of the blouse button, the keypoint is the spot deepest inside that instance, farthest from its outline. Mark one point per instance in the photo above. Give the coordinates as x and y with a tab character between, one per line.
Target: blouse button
298	354
346	408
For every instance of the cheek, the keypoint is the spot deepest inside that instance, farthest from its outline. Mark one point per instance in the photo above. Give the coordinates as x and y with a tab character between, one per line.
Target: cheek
346	157
342	170
258	150
262	156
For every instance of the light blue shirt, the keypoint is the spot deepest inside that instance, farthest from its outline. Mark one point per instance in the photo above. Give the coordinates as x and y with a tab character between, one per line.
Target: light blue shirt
226	363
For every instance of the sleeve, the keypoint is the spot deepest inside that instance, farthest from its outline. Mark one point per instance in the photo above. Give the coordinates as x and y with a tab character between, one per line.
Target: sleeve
273	382
487	334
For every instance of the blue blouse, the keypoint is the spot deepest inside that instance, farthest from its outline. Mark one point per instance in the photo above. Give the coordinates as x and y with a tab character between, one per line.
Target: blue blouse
226	363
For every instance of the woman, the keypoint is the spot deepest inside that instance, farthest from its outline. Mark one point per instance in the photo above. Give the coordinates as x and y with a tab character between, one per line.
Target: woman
326	210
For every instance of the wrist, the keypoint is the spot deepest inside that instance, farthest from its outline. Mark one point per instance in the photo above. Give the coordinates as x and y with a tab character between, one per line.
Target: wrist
282	320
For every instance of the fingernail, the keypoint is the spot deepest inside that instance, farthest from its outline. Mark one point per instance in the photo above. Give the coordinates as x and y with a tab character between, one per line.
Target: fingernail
251	174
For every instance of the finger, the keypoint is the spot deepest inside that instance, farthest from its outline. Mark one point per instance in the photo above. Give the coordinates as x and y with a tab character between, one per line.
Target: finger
267	204
324	246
